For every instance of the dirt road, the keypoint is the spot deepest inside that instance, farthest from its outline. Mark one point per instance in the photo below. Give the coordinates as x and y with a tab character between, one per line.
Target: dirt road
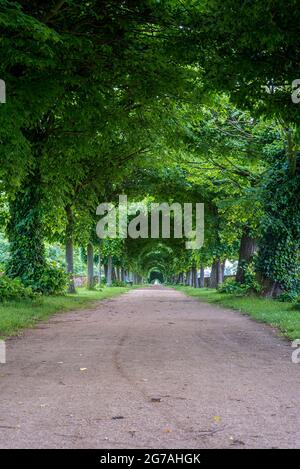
149	369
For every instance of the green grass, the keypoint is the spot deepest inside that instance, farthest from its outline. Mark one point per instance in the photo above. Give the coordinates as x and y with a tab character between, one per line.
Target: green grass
284	316
17	315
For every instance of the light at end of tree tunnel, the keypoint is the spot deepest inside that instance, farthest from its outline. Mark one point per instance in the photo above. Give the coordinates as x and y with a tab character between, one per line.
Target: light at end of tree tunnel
156	276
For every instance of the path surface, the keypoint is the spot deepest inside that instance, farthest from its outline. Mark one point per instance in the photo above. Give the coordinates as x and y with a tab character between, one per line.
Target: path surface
162	371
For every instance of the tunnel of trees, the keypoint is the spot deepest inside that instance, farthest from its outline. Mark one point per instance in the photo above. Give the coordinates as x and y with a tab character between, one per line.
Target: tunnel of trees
163	101
156	275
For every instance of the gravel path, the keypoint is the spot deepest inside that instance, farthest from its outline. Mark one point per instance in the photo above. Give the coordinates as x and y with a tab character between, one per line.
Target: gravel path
150	369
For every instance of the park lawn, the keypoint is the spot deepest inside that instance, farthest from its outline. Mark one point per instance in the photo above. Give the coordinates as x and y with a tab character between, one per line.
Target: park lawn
17	315
284	316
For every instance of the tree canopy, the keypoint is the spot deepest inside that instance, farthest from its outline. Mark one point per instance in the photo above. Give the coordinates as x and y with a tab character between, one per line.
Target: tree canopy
163	101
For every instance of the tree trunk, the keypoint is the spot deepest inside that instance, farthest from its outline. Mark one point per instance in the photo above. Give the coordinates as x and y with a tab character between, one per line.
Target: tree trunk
217	273
248	247
220	272
70	248
109	271
99	266
223	270
201	280
190	278
90	266
122	274
213	282
270	288
194	277
186	280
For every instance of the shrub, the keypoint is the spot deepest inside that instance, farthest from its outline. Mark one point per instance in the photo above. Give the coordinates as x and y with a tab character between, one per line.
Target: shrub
289	296
250	285
13	289
233	287
52	281
118	283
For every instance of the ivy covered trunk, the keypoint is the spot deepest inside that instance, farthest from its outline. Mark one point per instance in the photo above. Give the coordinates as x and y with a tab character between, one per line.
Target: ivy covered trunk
70	248
278	263
278	255
25	232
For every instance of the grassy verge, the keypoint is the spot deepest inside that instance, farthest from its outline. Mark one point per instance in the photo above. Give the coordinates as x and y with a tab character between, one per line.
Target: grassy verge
17	315
283	316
